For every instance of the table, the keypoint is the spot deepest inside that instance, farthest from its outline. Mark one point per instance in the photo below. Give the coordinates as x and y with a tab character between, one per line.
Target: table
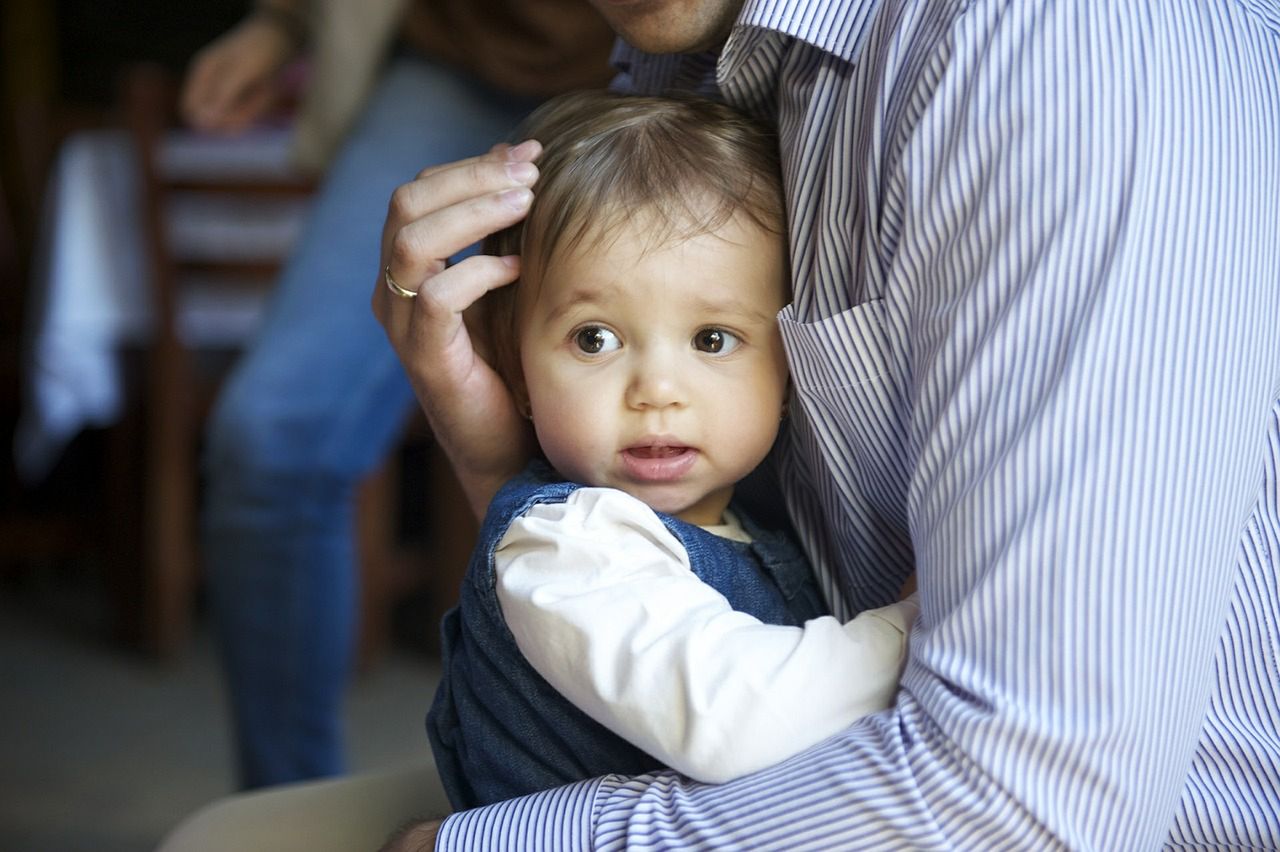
91	290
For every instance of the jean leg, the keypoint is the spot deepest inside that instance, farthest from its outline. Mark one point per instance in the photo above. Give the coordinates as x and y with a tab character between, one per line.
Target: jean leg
313	405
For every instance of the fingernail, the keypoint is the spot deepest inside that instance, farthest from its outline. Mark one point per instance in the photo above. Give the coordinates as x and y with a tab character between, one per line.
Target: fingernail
526	150
511	260
516	199
524	173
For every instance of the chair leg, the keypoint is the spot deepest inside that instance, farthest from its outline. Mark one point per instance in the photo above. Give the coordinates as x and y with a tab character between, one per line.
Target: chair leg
376	534
390	568
452	530
169	510
123	485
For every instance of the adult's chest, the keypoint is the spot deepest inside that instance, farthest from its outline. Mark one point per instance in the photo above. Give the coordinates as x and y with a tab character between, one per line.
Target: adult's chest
847	338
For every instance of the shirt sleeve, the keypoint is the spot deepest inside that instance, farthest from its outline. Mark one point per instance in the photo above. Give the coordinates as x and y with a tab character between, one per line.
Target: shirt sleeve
603	603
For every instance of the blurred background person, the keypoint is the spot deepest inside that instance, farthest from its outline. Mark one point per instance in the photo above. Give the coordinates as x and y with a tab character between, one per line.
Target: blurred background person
319	398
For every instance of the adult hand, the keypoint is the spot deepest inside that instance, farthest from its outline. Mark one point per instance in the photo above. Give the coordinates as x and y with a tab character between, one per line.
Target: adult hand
235	79
444	210
414	838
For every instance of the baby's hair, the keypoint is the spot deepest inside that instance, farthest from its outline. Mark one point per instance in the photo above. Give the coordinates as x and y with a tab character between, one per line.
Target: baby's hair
680	165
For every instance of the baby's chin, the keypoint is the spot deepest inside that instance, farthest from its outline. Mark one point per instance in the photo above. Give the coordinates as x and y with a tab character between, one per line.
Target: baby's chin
694	509
685	500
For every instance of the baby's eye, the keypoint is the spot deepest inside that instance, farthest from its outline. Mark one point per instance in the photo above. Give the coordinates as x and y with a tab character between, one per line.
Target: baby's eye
715	341
595	339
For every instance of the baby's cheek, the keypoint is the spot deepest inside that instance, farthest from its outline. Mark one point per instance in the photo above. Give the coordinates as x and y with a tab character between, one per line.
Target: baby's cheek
563	446
754	436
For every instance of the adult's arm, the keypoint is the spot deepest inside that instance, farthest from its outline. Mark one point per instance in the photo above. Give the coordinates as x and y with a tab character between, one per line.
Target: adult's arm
235	79
1086	303
603	603
444	210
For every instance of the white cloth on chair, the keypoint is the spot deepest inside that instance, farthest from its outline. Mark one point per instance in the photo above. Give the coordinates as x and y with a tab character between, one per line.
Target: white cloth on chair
90	290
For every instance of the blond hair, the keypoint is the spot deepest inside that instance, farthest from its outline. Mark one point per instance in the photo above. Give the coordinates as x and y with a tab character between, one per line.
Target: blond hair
680	165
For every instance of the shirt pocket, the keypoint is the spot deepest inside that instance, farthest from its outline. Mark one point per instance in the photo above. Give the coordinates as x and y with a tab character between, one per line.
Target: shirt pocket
851	428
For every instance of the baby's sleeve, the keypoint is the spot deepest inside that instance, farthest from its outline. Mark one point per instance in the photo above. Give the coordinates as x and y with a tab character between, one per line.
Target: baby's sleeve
602	601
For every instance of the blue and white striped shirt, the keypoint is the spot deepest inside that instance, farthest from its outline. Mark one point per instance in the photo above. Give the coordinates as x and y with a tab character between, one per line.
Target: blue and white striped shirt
1035	344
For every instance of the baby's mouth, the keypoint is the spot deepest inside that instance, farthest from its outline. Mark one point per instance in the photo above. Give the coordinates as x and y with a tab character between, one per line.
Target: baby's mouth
658	462
657	452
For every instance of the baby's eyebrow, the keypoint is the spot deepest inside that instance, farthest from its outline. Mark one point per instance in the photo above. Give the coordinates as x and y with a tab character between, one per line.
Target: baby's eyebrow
721	306
577	298
733	308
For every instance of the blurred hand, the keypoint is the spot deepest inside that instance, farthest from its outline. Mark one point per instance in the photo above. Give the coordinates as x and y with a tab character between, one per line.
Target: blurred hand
235	79
444	210
414	838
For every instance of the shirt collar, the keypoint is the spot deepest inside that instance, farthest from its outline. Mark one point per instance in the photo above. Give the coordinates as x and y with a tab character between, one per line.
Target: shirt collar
837	27
652	74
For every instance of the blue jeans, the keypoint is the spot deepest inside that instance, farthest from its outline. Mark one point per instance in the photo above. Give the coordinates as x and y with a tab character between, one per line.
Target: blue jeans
312	407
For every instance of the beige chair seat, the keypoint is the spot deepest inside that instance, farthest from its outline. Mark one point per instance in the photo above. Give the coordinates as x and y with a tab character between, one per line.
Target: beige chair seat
333	815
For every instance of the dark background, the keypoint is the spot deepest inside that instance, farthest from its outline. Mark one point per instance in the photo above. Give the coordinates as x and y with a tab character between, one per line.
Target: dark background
60	68
93	37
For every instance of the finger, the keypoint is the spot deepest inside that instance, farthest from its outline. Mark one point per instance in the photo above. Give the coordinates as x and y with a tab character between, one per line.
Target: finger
456	184
425	227
430	329
527	151
251	106
435	333
210	94
195	90
442	301
451	292
418	250
502	152
219	102
242	70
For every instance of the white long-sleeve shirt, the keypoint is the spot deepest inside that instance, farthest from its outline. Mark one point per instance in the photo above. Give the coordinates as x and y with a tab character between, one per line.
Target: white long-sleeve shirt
603	603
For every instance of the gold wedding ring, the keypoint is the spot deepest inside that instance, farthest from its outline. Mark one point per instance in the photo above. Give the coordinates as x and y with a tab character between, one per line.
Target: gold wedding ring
394	287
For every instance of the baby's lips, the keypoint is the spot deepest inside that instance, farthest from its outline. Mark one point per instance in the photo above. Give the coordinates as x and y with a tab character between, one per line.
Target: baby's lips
657	452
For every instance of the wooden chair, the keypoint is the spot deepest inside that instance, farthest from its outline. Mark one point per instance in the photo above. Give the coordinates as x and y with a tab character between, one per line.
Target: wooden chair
176	383
178	379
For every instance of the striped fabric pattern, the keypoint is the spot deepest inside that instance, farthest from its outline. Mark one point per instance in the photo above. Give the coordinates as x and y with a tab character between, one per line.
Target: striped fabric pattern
1035	344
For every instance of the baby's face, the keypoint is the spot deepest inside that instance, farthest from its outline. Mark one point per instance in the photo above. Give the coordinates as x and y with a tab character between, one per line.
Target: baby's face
660	371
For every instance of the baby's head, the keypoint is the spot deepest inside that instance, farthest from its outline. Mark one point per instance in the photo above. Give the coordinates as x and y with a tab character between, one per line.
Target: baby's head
642	334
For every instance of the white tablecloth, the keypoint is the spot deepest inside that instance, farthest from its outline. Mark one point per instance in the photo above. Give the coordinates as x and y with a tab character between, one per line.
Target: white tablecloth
91	288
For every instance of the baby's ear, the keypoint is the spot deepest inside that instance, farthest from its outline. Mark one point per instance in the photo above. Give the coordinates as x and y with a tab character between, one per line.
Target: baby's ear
491	323
514	377
506	363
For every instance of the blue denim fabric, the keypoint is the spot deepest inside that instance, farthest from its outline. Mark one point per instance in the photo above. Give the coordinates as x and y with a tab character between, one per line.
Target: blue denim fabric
498	730
313	406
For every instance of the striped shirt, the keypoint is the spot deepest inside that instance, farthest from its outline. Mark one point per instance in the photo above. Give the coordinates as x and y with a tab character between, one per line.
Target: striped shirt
1035	345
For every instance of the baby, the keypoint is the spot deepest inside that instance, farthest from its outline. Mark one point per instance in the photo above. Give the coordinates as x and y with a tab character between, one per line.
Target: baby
641	341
